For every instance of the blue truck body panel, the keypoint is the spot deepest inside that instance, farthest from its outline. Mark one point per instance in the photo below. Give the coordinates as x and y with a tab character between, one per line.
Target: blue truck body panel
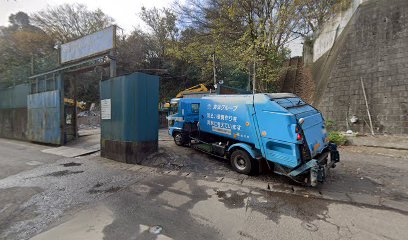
252	151
273	126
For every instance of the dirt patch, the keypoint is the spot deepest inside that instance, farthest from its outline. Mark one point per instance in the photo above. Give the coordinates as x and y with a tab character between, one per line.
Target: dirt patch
62	173
96	189
71	164
98	185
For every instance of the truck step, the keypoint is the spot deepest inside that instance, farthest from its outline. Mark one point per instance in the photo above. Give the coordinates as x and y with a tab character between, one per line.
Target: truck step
206	148
202	147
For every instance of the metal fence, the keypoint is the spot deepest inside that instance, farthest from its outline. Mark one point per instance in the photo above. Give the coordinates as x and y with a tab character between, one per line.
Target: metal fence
14	97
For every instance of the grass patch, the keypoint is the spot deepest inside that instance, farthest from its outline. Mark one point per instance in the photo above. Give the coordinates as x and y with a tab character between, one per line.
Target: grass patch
337	138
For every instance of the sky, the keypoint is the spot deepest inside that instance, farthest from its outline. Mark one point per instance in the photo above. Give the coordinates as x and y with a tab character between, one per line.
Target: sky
125	12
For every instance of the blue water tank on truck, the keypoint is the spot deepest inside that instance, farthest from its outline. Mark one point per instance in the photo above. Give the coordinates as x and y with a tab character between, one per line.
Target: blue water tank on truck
277	128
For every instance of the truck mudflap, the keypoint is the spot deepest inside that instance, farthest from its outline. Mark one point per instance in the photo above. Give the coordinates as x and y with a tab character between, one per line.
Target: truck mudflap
320	166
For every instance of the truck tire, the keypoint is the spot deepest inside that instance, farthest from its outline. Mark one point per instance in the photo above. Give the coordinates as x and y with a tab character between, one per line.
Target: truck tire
241	162
179	139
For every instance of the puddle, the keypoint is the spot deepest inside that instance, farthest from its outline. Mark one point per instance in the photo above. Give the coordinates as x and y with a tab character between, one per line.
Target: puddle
232	199
71	164
62	173
275	204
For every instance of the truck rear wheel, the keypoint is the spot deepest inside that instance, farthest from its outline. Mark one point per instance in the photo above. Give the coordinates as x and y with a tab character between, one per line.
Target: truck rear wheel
241	162
179	139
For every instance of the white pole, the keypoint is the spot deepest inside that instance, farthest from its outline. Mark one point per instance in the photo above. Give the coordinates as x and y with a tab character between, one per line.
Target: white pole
368	110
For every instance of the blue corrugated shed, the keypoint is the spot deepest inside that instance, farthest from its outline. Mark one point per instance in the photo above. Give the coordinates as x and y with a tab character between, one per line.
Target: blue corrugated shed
134	108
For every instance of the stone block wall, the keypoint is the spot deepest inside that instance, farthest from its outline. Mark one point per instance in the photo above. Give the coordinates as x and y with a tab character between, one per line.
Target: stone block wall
375	50
297	79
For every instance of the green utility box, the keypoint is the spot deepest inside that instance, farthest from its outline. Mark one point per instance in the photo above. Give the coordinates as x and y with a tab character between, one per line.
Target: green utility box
129	117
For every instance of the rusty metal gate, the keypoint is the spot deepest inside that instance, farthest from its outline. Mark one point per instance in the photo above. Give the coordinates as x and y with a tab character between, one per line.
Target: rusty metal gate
48	119
45	110
44	117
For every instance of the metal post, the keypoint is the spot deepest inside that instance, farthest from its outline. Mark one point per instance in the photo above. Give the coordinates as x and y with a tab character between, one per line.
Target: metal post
112	54
214	70
74	115
248	87
59	85
254	79
112	67
32	65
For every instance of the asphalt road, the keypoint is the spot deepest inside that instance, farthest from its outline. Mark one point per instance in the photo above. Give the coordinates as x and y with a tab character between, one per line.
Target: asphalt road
182	194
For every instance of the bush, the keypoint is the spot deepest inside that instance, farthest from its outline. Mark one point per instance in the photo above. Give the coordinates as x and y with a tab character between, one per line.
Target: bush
337	138
330	124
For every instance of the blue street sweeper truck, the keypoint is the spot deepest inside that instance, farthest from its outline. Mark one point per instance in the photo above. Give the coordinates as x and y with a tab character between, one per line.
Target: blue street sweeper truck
278	131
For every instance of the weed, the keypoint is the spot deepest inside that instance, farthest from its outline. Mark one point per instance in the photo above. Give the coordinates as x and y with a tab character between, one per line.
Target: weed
337	138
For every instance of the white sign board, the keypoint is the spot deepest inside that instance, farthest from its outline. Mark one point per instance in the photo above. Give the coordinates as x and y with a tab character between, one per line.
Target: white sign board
106	109
89	45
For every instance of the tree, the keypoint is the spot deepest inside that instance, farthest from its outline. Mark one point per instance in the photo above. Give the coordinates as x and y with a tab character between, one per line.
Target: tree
19	20
241	32
315	13
164	31
136	51
67	22
20	42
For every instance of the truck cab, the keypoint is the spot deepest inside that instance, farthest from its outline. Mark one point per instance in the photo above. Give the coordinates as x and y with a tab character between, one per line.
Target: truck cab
280	129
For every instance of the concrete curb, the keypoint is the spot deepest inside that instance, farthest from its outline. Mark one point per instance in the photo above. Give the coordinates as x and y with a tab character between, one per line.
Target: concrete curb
383	141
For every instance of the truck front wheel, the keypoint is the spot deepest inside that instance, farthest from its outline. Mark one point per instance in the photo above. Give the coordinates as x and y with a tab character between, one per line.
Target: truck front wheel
179	139
241	162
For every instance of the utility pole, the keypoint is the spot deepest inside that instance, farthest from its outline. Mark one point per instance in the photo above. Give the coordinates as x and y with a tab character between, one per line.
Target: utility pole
214	70
248	87
254	79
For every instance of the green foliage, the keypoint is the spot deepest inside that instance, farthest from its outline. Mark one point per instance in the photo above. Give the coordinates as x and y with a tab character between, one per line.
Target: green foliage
330	124
314	13
242	39
21	43
27	43
337	138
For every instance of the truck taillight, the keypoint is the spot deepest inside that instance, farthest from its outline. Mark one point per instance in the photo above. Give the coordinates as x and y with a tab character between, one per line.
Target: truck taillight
299	137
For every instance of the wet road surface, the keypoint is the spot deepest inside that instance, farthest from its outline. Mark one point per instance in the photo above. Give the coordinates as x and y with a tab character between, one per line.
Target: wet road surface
184	194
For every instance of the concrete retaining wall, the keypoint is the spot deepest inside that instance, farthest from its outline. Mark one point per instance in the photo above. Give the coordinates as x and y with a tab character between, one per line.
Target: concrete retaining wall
13	123
332	29
374	48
